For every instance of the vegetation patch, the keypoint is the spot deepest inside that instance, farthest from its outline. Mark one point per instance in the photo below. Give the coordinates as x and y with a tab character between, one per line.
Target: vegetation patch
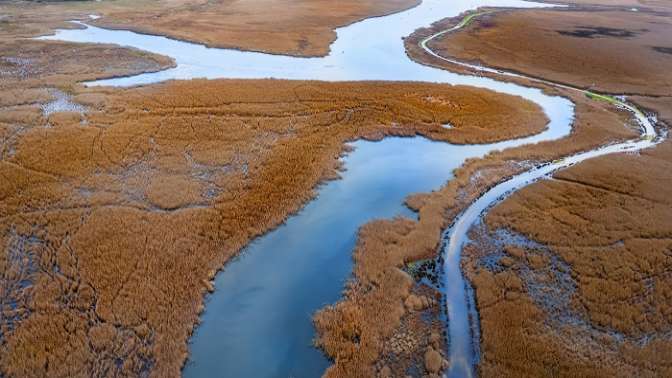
137	201
426	271
599	31
587	284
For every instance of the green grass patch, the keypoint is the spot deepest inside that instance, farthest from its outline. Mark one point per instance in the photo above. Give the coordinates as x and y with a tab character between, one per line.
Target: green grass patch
469	18
601	97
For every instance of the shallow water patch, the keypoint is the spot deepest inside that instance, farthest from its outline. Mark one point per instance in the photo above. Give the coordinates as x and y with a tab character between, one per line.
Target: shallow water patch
62	102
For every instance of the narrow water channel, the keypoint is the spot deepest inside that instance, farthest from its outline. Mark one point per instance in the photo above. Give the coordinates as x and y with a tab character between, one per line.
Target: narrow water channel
462	343
460	301
258	320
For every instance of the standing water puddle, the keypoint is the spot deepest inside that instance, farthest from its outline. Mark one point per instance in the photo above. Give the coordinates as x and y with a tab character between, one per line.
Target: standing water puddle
258	320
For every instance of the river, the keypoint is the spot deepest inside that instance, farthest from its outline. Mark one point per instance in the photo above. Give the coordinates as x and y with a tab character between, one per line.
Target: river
258	320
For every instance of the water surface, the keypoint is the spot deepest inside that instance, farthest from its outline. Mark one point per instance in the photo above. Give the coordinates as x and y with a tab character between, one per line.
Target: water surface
258	321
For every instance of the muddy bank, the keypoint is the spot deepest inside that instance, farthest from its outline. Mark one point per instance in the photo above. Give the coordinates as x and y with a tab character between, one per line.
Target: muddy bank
661	106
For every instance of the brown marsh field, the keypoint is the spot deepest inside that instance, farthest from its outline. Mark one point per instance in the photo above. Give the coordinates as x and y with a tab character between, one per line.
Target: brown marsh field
583	289
571	275
119	205
627	49
297	27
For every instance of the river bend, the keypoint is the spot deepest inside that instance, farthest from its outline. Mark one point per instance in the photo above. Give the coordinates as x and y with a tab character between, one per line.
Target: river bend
258	321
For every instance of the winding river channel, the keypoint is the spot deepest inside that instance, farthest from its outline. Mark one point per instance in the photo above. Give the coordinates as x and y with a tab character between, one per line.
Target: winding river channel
258	320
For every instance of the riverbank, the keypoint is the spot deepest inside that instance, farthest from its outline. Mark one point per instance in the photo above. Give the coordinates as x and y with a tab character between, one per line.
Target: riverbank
299	28
579	278
386	247
101	189
542	306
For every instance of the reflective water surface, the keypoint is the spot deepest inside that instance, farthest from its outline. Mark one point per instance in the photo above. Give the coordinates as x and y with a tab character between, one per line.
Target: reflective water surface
258	320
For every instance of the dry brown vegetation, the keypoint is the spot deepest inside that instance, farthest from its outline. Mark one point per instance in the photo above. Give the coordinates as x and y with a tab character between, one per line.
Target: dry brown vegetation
357	331
304	28
27	66
655	4
298	27
115	214
572	274
35	75
590	294
114	220
626	48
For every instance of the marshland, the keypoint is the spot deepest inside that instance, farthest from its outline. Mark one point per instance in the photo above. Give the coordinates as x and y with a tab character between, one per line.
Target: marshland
274	218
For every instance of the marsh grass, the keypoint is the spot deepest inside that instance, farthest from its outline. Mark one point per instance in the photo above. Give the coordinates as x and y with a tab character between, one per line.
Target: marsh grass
608	220
354	331
143	196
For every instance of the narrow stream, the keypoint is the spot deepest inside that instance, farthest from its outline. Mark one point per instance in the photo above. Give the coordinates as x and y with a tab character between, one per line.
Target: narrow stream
460	303
258	320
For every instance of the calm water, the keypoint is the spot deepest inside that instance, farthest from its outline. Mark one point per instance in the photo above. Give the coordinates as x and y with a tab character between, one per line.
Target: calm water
462	343
258	321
